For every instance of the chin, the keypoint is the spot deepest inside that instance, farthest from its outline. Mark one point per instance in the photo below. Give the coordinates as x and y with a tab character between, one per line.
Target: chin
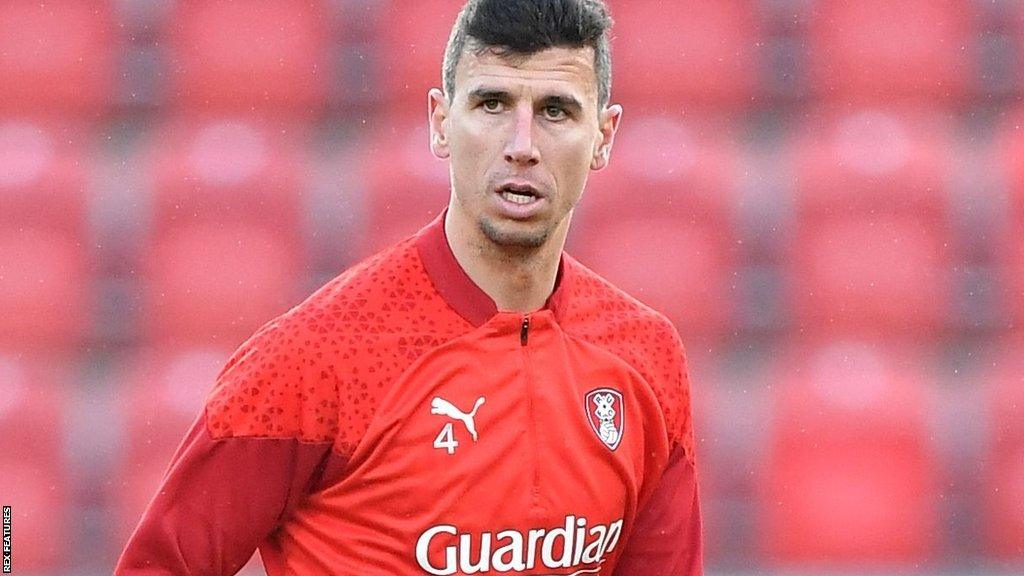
518	235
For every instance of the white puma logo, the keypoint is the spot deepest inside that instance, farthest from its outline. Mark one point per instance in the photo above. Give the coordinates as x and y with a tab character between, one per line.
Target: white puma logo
446	408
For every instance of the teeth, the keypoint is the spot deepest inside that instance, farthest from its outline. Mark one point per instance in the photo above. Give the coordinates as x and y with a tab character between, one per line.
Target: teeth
517	198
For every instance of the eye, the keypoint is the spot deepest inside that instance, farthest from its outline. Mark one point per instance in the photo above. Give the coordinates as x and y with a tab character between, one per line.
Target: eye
492	105
554	112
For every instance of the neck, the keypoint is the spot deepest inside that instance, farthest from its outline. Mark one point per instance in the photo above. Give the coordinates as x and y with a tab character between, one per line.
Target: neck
518	279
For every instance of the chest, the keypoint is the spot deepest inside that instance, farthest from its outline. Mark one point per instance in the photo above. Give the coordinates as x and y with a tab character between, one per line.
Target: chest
495	428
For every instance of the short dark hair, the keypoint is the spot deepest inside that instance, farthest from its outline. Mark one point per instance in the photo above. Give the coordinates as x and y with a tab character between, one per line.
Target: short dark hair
525	27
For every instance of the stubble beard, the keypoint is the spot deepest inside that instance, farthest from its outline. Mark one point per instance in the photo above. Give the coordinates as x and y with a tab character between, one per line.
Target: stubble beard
529	240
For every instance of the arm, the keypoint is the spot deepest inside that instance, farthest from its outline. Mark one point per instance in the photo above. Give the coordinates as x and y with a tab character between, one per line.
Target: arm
219	499
666	538
264	441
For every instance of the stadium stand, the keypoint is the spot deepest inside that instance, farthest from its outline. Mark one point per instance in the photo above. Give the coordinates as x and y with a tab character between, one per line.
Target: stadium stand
46	164
1008	162
1009	157
797	183
229	168
1012	272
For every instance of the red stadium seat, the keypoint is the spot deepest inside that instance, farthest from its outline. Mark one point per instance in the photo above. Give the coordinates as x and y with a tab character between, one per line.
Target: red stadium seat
39	515
163	393
34	480
406	186
1003	498
685	52
229	169
44	288
56	57
668	164
678	267
43	181
871	274
871	243
32	393
878	50
666	198
412	40
1011	262
849	477
225	252
1010	158
216	283
267	55
871	160
1009	164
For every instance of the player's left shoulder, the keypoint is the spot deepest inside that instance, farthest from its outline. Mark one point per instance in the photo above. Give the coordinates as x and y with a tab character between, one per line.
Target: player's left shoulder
601	312
598	312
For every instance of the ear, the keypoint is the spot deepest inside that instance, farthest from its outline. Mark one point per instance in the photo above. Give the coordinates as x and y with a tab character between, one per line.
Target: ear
609	125
437	109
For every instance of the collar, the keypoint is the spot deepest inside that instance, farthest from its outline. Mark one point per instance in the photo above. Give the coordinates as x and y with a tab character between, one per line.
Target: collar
456	287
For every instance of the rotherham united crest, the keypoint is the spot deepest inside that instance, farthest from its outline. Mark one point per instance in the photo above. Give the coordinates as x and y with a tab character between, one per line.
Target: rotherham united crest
606	415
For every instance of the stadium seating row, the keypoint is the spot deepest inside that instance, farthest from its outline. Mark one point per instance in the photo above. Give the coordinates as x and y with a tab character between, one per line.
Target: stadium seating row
847	469
279	56
871	238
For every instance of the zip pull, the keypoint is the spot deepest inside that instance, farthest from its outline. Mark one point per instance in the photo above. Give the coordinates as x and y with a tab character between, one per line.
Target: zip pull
524	330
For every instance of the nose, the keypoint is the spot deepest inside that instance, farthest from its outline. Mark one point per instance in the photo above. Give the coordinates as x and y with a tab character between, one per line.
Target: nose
520	148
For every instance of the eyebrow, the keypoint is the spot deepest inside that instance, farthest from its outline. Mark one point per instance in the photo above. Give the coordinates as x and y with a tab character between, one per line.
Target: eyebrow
481	94
562	101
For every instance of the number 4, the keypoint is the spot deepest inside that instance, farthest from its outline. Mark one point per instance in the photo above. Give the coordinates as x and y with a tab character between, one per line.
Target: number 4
446	439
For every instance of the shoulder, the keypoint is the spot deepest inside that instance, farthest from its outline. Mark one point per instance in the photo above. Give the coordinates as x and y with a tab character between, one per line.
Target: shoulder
596	311
316	372
272	387
281	382
600	311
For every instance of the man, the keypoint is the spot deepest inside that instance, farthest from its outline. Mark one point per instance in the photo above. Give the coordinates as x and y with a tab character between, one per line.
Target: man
471	400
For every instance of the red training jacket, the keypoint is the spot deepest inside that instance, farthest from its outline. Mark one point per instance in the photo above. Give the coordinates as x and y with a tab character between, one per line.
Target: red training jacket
396	422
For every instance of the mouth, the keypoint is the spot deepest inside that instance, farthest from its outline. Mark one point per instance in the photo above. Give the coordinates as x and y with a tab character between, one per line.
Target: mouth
520	200
520	194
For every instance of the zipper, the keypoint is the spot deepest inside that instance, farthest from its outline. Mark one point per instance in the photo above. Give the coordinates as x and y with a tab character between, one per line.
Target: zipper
536	507
524	330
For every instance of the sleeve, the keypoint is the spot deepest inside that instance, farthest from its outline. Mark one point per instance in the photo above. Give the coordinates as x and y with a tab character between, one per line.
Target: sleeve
218	501
248	461
666	539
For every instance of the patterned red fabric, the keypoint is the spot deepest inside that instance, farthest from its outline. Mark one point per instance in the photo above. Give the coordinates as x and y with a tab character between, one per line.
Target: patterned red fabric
425	431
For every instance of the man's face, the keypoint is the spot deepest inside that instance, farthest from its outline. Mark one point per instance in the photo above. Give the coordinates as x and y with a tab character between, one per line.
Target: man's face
522	134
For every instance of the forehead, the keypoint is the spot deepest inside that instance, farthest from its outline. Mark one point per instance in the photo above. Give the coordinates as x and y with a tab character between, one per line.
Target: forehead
569	70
